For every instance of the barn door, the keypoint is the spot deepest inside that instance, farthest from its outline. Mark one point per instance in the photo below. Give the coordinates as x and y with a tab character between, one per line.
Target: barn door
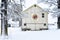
31	26
35	17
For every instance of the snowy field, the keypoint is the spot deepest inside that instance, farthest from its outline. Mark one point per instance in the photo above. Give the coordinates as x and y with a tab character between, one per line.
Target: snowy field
17	34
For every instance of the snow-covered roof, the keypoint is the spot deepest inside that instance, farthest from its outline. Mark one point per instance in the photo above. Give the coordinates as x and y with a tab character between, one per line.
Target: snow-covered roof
33	6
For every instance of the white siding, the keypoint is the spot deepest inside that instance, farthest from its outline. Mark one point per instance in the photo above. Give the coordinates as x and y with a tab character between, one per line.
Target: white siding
39	22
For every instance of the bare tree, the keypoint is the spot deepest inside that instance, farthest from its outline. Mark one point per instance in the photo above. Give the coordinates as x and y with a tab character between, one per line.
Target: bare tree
4	22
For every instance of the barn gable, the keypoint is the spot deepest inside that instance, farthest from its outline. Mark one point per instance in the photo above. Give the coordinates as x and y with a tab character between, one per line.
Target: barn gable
33	9
35	5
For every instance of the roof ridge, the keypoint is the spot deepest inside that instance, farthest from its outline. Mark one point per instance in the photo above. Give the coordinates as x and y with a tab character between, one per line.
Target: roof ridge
32	6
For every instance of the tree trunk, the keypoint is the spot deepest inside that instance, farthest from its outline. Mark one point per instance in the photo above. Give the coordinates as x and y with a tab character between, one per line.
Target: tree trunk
4	23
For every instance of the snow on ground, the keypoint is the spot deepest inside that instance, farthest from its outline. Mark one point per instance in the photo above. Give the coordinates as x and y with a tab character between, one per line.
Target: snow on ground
17	34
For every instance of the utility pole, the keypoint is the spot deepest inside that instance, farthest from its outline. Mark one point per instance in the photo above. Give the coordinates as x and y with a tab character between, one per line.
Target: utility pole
4	23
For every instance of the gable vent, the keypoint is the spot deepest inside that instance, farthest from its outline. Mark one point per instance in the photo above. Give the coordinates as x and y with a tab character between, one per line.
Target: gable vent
34	5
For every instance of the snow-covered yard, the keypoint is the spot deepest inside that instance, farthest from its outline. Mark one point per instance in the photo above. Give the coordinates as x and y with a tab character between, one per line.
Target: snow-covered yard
17	34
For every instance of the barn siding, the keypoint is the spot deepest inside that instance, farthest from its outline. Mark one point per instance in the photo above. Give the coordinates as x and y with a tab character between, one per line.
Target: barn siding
39	22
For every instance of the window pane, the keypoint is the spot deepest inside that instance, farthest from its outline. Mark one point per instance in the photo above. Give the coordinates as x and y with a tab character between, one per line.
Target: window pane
42	15
44	24
24	24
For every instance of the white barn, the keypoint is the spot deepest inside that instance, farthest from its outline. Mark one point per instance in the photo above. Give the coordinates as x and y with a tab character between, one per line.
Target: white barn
37	19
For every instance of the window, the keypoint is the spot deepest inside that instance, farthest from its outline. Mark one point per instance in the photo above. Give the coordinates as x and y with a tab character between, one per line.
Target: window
44	24
42	15
24	24
34	5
